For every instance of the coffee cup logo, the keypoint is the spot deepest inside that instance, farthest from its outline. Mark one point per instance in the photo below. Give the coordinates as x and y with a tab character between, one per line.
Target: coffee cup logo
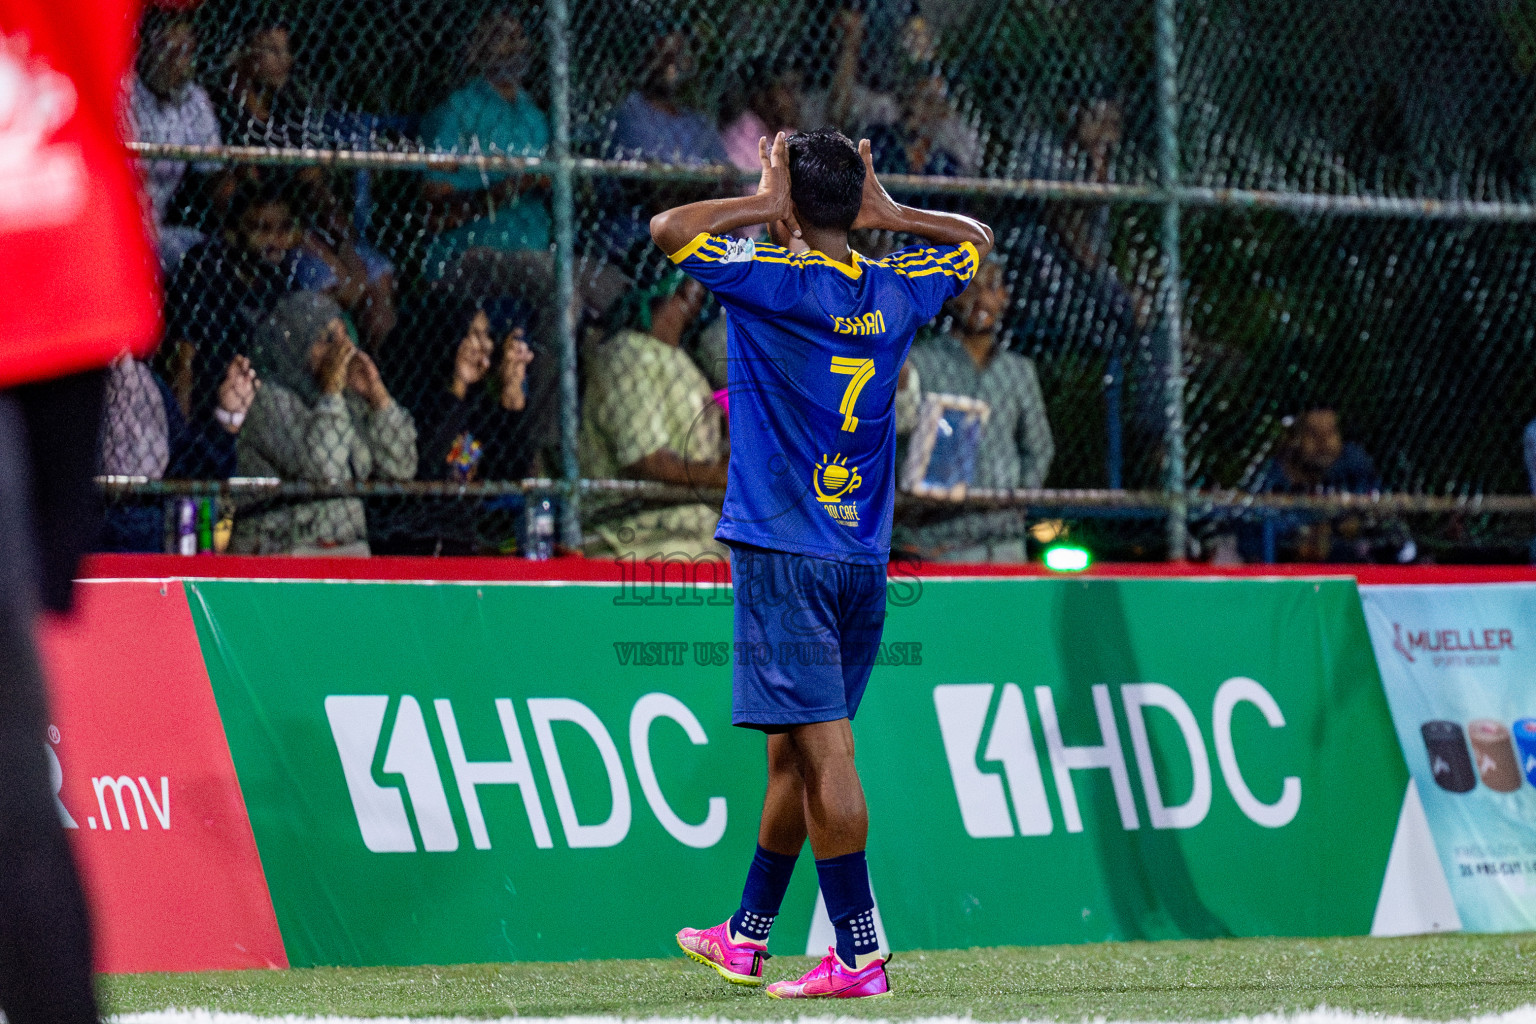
834	479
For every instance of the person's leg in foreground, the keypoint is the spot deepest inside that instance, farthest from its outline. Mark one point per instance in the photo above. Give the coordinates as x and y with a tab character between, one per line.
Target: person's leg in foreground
45	950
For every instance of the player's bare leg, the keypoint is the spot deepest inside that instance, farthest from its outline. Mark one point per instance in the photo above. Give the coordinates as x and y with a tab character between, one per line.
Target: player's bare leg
737	948
782	828
837	821
836	817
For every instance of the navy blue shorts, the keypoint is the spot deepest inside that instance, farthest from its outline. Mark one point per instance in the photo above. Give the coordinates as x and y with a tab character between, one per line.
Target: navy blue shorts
807	633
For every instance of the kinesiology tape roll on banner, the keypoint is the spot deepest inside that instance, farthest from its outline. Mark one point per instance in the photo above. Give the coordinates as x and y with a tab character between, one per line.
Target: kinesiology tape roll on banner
1525	742
1449	762
1495	755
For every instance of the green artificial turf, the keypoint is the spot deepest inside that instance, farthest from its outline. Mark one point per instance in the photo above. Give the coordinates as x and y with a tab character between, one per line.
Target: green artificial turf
1435	977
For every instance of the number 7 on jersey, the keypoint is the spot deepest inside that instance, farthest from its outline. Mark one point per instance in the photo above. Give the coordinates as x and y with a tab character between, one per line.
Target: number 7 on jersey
861	370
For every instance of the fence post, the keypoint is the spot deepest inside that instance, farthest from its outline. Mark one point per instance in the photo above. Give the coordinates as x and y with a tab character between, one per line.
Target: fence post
558	23
1171	304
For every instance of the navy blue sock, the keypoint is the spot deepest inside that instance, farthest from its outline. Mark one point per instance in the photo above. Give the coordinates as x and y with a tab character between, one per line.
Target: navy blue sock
845	888
767	880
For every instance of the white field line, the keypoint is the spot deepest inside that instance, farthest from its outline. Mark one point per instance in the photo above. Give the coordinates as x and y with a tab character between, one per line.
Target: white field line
1322	1015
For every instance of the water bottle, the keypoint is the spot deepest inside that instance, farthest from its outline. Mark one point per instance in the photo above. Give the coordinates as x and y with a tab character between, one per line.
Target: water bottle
204	525
186	526
539	528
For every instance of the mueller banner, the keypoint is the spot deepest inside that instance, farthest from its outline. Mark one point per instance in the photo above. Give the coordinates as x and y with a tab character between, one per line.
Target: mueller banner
483	772
1457	663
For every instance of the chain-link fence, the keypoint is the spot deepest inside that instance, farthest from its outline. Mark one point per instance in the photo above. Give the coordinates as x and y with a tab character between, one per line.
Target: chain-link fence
1262	285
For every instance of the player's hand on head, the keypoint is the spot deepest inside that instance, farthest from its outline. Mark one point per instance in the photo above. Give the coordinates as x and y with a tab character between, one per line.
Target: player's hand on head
877	209
774	182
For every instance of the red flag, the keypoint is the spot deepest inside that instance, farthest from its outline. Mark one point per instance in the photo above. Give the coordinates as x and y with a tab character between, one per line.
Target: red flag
78	282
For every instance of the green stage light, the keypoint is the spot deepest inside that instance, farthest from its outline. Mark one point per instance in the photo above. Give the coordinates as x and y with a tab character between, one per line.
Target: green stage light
1067	558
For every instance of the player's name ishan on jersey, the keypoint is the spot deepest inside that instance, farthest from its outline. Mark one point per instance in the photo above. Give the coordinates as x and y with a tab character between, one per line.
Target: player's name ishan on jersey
959	262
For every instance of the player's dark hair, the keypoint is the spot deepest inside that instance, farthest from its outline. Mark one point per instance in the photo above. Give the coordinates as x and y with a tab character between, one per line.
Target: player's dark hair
826	178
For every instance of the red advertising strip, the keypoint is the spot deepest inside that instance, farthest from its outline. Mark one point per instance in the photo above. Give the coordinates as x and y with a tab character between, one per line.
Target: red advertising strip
597	570
146	781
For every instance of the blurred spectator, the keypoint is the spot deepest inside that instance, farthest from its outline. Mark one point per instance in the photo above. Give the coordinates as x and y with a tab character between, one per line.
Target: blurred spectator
653	124
474	427
493	114
166	106
322	415
145	434
472	419
649	414
913	146
773	105
261	106
848	104
1083	152
1528	441
1314	459
223	287
334	260
1097	130
904	89
1016	448
494	229
1067	280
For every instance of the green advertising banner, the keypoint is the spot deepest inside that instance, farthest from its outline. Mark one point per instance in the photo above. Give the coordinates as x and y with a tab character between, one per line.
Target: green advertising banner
459	772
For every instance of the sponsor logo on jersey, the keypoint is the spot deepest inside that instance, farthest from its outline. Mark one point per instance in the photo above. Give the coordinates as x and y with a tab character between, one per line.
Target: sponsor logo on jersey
834	480
738	250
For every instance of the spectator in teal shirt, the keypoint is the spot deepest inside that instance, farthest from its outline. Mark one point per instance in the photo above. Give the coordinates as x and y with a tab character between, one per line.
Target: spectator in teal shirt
494	115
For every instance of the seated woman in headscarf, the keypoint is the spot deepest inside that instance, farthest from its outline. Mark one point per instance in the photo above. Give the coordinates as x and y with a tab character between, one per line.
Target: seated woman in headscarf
324	415
476	425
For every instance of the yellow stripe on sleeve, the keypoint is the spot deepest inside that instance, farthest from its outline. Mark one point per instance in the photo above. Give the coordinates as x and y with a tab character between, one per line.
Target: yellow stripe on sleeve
970	250
691	248
961	262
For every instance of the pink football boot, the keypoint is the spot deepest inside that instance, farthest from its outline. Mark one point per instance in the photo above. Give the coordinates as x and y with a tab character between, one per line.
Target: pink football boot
740	963
831	980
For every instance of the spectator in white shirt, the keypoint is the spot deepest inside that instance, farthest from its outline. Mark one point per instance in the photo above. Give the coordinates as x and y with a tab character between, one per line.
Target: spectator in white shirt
167	106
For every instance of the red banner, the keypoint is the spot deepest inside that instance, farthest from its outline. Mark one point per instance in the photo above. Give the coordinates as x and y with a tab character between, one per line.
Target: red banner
147	787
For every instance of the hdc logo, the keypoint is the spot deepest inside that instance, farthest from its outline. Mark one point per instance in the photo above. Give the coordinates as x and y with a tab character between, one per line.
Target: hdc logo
357	723
984	807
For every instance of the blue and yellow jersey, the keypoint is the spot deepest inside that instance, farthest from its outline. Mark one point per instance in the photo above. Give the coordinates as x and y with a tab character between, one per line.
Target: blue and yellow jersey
814	348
